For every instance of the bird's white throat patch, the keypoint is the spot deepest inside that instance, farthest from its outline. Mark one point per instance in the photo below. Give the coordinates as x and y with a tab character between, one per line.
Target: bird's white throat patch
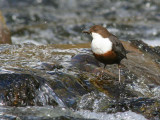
99	44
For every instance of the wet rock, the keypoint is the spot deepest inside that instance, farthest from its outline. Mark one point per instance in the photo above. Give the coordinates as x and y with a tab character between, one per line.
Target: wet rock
39	113
49	118
8	117
5	37
69	88
82	62
50	67
22	90
101	103
107	82
145	48
81	76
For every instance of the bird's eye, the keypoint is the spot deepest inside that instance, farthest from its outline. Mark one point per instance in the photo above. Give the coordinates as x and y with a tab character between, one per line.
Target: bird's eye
95	29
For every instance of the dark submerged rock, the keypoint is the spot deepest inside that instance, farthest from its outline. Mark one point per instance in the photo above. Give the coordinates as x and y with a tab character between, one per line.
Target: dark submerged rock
21	90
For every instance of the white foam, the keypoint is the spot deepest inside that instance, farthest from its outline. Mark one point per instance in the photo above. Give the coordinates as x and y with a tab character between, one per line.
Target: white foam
153	43
156	92
128	115
21	40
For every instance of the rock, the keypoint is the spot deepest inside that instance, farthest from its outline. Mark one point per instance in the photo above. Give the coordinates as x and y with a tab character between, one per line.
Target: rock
101	103
69	88
49	118
141	73
22	90
51	67
5	37
69	76
81	61
145	48
39	113
8	117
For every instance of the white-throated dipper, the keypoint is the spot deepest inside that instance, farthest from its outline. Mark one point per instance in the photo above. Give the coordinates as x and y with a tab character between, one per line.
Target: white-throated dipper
106	47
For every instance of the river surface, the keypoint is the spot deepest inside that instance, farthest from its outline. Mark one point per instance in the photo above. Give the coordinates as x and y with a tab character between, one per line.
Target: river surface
50	22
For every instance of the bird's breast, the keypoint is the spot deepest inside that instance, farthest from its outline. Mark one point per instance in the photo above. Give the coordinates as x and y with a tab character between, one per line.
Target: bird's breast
101	46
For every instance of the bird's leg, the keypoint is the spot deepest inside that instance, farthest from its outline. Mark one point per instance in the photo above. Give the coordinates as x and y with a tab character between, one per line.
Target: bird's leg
119	75
103	70
105	66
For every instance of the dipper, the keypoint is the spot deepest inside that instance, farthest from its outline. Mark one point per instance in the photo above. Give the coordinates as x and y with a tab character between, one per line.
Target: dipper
106	47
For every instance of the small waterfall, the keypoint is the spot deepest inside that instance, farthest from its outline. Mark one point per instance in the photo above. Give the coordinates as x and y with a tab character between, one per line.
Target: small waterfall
46	96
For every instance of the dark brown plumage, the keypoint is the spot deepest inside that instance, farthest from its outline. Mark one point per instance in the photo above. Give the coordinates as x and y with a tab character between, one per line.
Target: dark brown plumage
112	56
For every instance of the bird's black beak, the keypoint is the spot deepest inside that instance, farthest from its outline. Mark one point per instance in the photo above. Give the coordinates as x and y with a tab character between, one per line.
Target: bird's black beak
88	32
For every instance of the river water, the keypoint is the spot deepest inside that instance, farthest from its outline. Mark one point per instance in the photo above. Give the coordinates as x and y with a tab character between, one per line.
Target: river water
50	22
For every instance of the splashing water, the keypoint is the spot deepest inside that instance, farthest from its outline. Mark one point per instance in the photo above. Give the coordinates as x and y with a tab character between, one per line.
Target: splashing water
45	93
129	115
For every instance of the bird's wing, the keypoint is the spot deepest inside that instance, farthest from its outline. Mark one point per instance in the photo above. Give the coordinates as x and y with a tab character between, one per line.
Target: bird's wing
118	47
